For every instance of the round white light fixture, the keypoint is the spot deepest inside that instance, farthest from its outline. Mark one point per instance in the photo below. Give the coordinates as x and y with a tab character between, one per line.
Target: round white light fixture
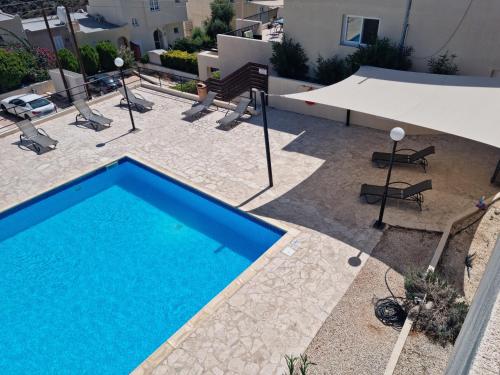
397	134
119	62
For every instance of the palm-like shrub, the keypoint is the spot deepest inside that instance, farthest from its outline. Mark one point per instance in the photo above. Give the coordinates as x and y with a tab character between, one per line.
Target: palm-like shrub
289	59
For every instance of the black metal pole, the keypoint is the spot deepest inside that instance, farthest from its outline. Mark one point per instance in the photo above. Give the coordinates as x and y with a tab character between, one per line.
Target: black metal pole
348	118
497	172
58	62
379	224
78	54
128	102
266	138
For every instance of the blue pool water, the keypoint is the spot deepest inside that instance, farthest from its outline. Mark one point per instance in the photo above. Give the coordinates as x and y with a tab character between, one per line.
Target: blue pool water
97	274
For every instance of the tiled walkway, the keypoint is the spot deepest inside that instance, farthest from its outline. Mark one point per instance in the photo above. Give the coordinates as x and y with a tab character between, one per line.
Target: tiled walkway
318	168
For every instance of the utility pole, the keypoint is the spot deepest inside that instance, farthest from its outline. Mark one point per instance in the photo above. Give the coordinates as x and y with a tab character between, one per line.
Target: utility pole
78	54
63	77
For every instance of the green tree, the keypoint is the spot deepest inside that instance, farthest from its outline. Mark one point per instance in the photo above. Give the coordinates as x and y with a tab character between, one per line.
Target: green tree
90	59
289	59
68	60
107	54
12	70
222	14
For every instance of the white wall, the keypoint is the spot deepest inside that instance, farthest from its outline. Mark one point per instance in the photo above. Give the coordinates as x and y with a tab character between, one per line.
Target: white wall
282	86
40	88
74	81
234	52
207	60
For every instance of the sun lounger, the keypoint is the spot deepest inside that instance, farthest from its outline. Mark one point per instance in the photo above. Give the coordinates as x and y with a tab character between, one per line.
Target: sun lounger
374	193
238	112
92	116
37	138
202	106
382	159
135	100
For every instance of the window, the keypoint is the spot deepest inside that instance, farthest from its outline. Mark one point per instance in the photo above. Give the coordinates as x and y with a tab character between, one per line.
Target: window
176	30
135	23
154	5
59	42
359	30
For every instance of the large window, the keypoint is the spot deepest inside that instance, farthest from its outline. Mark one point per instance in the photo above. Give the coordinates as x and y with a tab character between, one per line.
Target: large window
359	30
154	5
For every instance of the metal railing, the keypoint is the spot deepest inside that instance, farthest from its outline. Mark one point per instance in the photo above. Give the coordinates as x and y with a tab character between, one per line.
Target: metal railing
60	98
161	78
264	17
241	32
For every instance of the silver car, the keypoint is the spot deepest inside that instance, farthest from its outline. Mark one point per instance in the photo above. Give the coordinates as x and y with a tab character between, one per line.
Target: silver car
27	106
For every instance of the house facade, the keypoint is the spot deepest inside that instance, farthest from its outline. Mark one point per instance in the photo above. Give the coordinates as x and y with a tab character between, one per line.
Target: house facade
152	24
460	27
11	29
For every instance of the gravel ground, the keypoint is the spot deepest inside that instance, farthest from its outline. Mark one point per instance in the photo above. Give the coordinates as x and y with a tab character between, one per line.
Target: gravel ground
352	340
420	355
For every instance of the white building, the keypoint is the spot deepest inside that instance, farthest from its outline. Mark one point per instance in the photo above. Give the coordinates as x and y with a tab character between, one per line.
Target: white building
153	24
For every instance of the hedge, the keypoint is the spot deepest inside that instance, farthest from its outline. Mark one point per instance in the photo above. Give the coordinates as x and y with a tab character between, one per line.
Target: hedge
68	60
107	54
180	60
90	59
12	71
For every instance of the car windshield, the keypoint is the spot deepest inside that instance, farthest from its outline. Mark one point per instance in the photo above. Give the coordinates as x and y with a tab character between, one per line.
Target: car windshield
40	102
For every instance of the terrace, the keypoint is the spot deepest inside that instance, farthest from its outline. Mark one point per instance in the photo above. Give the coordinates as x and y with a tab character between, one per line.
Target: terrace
319	166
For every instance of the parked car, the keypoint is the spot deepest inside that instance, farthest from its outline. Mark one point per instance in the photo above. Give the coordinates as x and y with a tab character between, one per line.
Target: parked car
27	106
104	83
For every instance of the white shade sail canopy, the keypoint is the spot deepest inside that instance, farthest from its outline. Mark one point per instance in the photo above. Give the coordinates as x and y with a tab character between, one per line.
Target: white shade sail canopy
465	106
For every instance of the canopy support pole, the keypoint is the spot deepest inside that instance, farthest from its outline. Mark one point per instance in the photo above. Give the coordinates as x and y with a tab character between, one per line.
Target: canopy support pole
496	174
348	118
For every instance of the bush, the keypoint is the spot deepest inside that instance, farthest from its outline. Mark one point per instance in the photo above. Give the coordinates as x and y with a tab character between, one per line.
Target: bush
90	59
145	58
180	60
443	64
12	70
330	71
383	54
289	59
128	57
444	313
189	86
107	54
68	60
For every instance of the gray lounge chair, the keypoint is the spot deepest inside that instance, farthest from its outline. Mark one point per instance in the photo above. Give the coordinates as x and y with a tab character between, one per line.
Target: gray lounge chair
238	112
135	100
374	193
382	159
201	106
92	116
38	138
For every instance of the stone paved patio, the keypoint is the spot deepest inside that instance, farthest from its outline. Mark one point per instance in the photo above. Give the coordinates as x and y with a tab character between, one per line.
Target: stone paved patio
318	168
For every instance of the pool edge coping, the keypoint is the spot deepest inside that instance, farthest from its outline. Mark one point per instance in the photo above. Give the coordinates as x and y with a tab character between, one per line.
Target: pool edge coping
174	341
160	353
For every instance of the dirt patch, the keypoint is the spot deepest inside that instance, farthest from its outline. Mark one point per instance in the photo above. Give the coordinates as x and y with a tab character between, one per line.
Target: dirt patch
352	340
476	237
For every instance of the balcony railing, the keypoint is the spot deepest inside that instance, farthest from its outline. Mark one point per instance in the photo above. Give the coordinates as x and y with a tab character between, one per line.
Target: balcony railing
264	17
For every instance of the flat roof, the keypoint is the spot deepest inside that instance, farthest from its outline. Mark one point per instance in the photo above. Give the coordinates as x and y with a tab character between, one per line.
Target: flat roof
88	23
5	16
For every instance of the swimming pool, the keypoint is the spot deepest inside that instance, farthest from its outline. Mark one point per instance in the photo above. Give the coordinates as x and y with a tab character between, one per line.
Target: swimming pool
98	273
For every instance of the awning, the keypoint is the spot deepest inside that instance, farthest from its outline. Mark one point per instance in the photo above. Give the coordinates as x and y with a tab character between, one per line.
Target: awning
465	106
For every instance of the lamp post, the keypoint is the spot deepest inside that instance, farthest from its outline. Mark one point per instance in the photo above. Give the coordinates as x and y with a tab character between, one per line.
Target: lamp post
397	134
119	65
